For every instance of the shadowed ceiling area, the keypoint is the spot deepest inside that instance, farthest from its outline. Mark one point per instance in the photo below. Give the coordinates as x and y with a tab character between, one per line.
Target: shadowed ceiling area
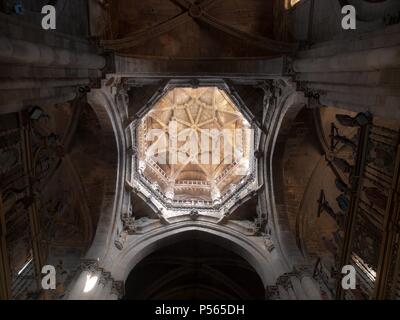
194	270
184	28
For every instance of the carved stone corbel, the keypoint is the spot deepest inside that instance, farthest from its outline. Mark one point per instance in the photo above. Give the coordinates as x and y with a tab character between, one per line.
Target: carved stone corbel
194	215
285	282
91	266
269	244
104	278
272	293
117	289
312	95
224	219
129	224
120	241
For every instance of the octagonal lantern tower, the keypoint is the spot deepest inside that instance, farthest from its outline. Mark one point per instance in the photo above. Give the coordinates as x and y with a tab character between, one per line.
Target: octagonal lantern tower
194	150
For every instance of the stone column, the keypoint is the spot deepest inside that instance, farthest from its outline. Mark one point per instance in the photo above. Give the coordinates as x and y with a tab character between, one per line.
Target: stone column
311	288
5	280
298	289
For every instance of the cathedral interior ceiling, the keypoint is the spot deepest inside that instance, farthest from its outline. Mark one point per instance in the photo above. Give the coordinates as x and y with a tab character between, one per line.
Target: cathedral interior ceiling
257	125
179	29
210	159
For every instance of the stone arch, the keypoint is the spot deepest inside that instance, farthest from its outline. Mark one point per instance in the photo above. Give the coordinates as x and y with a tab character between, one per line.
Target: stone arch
281	114
288	229
102	103
266	265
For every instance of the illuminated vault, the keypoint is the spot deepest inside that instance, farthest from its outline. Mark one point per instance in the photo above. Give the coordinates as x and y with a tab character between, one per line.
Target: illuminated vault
194	151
